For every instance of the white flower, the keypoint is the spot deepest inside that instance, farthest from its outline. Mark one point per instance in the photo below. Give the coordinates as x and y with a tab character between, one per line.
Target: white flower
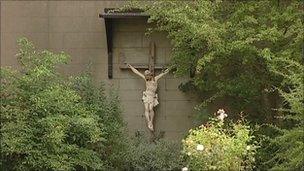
222	114
220	111
188	153
200	147
248	147
213	167
185	169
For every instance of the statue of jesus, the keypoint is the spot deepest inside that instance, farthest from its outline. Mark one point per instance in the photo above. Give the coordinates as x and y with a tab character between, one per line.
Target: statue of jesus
150	98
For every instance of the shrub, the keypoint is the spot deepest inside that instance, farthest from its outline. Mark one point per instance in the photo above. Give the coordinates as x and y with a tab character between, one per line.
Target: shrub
49	122
108	110
216	147
143	155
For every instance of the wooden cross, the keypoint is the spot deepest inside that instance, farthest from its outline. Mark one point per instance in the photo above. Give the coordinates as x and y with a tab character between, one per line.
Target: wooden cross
151	65
152	58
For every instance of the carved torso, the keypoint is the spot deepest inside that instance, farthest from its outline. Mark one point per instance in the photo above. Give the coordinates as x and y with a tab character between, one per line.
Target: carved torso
150	96
151	86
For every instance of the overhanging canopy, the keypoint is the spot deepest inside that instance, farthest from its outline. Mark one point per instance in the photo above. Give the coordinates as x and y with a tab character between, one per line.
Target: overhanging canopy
109	15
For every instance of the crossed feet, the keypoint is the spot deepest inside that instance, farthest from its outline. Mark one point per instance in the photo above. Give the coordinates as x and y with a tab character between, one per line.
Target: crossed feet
150	125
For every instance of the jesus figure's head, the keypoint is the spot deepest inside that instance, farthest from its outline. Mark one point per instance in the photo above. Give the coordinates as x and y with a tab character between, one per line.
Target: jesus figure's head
148	75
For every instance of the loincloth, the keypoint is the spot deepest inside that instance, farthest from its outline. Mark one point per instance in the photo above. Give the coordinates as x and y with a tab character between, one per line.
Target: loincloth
150	98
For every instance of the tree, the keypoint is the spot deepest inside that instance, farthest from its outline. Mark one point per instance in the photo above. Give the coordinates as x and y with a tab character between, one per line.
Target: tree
223	45
44	123
289	144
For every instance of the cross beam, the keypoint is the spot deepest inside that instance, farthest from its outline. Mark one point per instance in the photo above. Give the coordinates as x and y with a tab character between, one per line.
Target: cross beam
150	66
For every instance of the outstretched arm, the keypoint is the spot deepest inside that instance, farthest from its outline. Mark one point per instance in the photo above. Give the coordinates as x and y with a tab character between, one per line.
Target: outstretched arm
136	71
162	74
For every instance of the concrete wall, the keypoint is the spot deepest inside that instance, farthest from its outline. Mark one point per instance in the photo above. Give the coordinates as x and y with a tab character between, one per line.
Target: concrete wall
74	27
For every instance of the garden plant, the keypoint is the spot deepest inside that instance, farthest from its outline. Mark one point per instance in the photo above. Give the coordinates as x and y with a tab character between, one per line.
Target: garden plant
247	54
218	146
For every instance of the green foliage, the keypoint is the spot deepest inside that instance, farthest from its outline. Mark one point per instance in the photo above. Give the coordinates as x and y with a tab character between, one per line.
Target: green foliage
49	122
225	45
140	154
216	147
249	54
289	145
108	111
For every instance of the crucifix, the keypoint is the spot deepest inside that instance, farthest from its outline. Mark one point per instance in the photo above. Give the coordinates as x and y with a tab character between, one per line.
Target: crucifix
150	97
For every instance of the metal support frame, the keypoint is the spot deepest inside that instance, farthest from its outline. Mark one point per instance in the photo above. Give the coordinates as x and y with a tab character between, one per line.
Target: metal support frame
109	32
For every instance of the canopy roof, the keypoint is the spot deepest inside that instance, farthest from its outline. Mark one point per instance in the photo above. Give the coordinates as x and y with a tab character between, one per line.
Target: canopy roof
115	13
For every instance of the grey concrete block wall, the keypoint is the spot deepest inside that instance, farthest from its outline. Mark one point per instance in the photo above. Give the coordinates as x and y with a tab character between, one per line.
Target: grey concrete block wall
74	27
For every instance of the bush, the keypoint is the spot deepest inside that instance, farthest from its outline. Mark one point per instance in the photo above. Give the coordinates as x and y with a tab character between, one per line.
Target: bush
108	109
216	147
49	122
141	154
